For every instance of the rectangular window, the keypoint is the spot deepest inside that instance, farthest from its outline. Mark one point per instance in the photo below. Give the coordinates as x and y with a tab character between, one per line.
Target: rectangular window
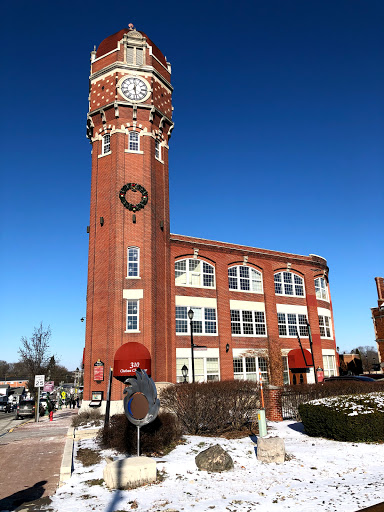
248	323
139	56
285	370
291	324
132	315
130	52
133	262
206	369
106	144
325	326
157	149
329	363
203	322
248	368
133	141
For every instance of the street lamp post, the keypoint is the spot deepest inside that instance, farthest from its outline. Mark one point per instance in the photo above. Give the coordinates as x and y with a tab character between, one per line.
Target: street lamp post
184	372
190	316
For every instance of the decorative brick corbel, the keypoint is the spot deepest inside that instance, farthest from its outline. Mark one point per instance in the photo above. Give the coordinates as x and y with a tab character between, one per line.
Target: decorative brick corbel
134	112
170	130
151	114
195	253
245	260
103	118
116	109
161	124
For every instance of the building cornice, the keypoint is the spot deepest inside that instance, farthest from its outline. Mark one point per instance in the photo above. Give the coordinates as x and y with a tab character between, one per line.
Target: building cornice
121	66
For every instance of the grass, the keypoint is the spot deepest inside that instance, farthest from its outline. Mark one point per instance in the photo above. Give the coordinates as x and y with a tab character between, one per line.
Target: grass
96	481
88	457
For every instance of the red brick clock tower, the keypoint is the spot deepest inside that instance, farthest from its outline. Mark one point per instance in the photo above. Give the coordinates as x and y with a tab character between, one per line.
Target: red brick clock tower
129	126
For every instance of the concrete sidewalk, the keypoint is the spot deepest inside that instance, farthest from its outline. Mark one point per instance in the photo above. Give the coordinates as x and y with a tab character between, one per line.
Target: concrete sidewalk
31	457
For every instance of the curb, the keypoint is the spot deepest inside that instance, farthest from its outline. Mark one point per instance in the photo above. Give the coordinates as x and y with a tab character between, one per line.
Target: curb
67	460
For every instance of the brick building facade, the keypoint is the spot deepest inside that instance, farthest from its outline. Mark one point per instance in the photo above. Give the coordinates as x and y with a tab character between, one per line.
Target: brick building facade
378	319
248	304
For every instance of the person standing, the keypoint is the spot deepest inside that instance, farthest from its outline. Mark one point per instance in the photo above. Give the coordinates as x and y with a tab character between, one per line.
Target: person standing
50	407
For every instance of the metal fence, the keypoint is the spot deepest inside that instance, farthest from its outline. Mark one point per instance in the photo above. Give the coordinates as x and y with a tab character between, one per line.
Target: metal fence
290	401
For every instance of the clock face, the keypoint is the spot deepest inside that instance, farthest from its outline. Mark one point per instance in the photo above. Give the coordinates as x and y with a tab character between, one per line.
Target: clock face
134	88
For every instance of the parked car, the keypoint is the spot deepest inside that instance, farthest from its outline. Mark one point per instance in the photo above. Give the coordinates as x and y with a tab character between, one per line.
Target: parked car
3	403
361	378
27	408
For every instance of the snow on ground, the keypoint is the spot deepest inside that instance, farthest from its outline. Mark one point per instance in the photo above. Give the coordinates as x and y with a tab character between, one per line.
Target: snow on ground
319	475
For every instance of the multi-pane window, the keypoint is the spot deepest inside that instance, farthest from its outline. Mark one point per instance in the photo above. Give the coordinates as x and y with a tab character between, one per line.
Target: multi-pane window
321	288
285	370
203	322
135	55
291	324
287	283
248	323
157	150
133	141
329	363
106	144
325	326
248	368
194	272
206	368
132	315
245	279
133	262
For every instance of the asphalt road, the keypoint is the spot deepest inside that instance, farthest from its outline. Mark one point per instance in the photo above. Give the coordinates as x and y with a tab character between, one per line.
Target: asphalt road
9	421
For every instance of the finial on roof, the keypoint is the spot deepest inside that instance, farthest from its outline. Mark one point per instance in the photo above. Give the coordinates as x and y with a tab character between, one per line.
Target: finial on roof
131	26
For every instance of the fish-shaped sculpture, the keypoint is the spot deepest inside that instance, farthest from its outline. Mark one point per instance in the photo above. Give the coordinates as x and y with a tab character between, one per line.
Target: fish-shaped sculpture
141	404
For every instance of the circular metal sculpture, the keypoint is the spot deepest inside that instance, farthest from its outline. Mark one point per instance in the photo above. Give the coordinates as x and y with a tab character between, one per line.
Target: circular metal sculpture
141	404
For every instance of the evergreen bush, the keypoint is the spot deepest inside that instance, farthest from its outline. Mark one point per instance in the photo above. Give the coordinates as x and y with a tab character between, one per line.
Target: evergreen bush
354	418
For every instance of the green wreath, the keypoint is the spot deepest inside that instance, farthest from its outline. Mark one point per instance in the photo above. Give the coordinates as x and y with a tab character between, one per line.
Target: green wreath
135	188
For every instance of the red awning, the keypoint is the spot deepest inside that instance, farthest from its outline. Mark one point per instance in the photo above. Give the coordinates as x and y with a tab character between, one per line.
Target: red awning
296	359
128	358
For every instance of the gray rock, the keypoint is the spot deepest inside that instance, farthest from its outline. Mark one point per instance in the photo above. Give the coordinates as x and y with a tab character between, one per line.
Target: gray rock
270	449
214	459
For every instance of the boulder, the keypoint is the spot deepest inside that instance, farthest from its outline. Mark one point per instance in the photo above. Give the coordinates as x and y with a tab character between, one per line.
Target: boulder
214	459
270	449
129	473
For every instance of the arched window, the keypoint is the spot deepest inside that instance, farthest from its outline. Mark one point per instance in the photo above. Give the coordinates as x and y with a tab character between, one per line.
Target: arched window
287	283
244	278
194	272
106	144
321	288
133	262
133	144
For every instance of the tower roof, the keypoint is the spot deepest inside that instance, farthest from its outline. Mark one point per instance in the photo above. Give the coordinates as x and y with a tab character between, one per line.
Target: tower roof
110	43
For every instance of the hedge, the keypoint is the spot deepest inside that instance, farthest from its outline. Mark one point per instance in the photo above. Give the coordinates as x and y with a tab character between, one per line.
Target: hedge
354	418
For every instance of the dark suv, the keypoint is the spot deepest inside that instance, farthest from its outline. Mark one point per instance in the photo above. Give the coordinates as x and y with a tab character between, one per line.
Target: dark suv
27	408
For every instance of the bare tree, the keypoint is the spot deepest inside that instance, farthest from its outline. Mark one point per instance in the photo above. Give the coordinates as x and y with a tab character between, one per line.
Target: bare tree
35	355
368	356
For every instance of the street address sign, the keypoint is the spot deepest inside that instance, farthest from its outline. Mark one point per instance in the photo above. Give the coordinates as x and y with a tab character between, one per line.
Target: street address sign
39	381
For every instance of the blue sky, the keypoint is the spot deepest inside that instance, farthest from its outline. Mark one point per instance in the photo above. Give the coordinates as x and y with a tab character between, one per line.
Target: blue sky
278	144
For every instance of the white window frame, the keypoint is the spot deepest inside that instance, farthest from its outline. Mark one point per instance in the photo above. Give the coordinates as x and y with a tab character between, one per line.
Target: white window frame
326	329
292	328
284	280
130	251
207	373
194	277
286	380
157	150
329	365
134	315
238	282
132	143
201	317
258	364
106	146
321	288
245	324
134	55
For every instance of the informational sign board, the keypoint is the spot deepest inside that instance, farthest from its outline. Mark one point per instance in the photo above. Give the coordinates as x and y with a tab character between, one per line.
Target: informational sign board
39	381
48	386
98	371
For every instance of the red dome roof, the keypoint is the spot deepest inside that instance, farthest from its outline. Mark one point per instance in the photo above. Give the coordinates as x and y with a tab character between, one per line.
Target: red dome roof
110	43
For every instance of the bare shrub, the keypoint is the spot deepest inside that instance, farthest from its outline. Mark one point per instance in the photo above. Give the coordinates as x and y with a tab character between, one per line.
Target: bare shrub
89	417
158	437
212	407
88	457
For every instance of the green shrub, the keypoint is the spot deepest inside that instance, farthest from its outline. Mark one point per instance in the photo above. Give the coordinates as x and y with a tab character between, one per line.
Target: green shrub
157	437
212	408
355	418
